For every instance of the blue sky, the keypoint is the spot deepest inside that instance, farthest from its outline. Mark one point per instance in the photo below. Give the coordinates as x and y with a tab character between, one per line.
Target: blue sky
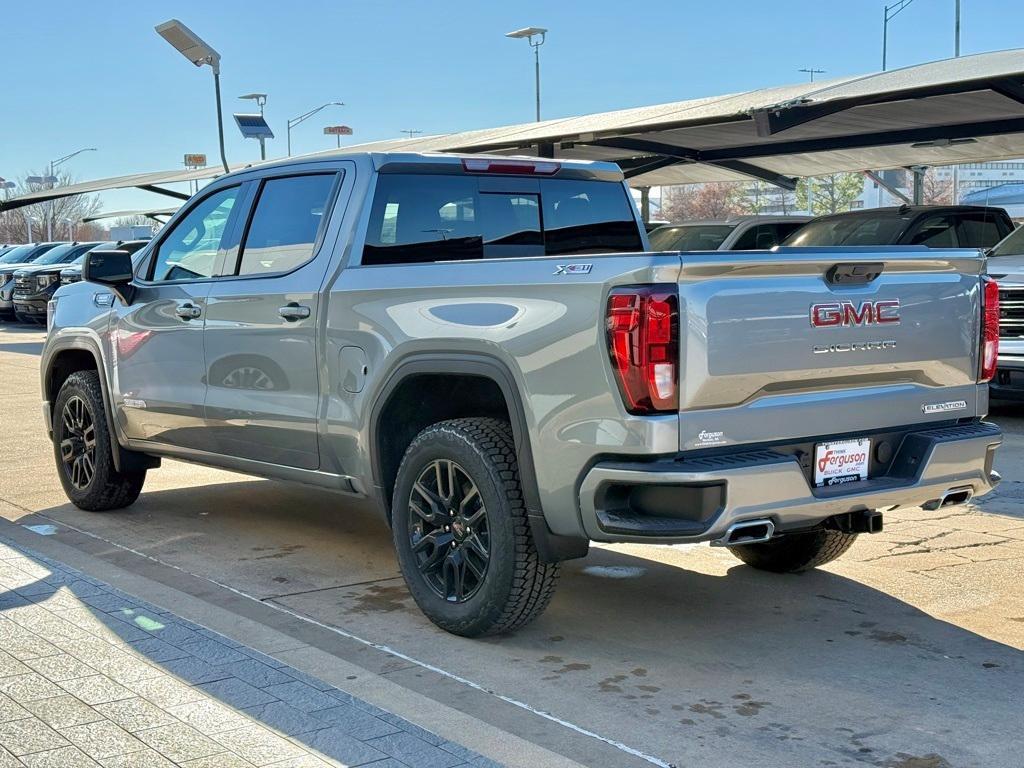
96	74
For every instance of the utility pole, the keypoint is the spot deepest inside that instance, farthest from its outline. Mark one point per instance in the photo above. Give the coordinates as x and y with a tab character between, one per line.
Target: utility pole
812	71
410	132
956	52
956	38
890	12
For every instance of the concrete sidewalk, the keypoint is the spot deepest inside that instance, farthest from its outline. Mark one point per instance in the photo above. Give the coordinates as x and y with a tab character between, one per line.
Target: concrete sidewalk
92	676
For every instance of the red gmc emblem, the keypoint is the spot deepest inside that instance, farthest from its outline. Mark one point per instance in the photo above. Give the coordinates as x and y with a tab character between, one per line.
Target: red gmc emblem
840	313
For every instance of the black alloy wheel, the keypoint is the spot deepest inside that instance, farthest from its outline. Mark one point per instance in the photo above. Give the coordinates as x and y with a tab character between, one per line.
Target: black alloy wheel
448	531
78	442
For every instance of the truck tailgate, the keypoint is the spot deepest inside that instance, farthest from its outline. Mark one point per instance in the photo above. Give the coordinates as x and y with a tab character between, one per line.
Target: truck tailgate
793	343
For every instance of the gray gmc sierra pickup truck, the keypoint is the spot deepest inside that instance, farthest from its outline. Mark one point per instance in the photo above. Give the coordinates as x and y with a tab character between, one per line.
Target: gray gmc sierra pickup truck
485	347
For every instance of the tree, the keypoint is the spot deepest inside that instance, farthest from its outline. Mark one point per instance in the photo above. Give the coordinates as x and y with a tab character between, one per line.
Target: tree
757	199
712	200
832	194
63	215
936	191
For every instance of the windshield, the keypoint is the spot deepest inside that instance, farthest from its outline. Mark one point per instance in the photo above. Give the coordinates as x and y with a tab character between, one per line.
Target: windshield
15	255
690	237
57	255
874	229
1011	245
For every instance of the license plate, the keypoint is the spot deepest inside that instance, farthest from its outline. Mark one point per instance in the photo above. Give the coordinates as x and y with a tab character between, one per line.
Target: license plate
841	461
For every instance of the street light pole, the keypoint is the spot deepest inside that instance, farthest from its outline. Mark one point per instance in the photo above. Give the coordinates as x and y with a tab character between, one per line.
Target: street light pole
528	34
51	179
301	118
261	100
193	48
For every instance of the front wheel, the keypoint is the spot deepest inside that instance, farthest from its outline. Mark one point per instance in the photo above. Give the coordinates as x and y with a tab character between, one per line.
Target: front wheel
461	531
83	449
796	552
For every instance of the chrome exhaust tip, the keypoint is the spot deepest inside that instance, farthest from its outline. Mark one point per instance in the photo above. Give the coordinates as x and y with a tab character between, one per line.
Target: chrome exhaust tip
746	532
949	498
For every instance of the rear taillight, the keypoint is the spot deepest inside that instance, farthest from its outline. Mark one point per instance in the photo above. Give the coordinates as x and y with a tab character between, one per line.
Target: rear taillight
989	329
643	341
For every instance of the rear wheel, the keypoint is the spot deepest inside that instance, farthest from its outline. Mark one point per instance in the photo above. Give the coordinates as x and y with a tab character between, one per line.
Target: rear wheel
83	449
796	552
461	532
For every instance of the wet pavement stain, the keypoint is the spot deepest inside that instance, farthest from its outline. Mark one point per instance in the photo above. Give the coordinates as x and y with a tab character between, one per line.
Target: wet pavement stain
750	708
639	672
574	666
274	552
649	688
887	637
930	760
609	684
706	707
555	639
380	599
552	660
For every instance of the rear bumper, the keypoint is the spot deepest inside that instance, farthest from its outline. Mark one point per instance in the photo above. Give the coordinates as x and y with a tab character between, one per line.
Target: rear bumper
1008	383
622	502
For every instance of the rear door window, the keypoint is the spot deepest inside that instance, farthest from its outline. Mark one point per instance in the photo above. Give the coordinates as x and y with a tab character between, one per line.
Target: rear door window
286	223
419	218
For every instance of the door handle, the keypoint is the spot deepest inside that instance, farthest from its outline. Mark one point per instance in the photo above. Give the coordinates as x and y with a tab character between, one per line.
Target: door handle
187	311
292	312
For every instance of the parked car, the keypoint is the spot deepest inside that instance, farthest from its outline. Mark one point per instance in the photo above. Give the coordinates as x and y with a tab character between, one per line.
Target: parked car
738	233
34	284
486	347
934	226
73	272
16	258
1006	264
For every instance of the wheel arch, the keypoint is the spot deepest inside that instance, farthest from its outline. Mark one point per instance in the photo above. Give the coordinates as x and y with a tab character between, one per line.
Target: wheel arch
82	353
431	366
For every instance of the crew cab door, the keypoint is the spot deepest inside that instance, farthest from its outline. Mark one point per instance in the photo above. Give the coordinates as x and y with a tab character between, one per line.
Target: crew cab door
262	377
159	366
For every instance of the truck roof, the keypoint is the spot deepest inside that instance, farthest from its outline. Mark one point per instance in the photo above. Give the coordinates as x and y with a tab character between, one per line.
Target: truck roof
452	162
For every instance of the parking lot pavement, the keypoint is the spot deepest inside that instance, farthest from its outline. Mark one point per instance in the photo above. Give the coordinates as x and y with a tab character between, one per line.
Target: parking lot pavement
905	652
91	675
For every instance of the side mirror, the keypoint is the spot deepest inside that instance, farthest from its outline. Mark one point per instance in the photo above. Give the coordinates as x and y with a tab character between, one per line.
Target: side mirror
112	269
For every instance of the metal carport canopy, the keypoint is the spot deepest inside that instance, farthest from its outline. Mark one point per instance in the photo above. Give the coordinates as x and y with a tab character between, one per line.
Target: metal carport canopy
151	182
968	109
149	213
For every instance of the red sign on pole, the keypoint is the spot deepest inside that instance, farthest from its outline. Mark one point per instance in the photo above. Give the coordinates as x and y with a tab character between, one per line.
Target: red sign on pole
337	130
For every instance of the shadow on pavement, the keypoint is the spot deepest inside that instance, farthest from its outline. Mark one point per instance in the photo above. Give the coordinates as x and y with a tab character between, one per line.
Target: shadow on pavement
146	679
23	347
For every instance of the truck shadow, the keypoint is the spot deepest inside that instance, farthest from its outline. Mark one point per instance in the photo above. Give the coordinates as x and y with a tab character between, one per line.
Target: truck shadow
662	646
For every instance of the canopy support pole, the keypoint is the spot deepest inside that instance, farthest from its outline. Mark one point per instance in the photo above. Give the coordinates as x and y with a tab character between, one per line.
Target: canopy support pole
918	171
162	191
887	187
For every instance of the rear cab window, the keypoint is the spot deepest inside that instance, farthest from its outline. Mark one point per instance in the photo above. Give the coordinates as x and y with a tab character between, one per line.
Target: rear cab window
417	218
981	229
